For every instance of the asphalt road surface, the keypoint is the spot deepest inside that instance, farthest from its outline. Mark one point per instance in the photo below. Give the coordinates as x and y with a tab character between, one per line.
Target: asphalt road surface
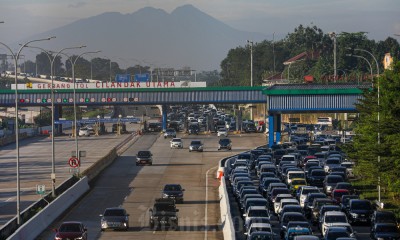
136	187
35	166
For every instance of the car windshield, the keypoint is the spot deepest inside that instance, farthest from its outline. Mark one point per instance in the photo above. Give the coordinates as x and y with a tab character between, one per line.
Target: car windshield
258	213
296	175
177	140
196	143
114	212
332	161
70	227
318	173
260	229
386	228
361	205
334	219
335	235
298	224
159	208
143	154
172	188
225	140
298	182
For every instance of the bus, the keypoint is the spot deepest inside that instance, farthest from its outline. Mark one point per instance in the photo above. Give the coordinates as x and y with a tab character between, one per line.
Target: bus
324	121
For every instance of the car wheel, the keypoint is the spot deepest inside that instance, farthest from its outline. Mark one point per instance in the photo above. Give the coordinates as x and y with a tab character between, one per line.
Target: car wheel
102	229
190	150
137	164
150	163
151	225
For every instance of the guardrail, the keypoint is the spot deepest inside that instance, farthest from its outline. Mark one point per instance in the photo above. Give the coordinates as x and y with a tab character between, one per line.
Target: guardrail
35	220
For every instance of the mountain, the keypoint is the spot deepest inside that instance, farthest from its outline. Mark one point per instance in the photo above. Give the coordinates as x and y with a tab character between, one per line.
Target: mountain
185	37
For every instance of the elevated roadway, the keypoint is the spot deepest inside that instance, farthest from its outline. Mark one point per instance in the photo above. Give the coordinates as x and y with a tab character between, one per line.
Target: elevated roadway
35	166
135	188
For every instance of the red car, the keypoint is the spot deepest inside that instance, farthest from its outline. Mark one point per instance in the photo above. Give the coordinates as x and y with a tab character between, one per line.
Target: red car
338	193
71	230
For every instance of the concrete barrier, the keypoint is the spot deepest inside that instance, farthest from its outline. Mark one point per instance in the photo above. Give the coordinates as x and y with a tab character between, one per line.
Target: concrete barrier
41	220
34	226
228	229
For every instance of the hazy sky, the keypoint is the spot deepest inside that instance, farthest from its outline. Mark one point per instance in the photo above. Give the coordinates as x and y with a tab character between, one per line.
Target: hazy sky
380	18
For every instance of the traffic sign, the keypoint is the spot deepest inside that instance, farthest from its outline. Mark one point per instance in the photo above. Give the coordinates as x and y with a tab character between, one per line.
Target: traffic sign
122	78
73	162
41	189
144	77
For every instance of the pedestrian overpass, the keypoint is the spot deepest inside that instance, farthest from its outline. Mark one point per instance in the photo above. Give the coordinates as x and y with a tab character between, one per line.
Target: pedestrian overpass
279	99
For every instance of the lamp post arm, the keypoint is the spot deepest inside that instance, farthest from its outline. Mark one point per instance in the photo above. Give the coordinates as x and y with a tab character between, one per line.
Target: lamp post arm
376	62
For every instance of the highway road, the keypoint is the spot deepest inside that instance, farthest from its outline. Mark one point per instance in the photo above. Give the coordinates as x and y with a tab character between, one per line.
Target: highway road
35	165
136	187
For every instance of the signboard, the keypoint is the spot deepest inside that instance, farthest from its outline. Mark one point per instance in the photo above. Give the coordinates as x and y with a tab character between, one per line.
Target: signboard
73	162
113	85
144	77
41	189
123	78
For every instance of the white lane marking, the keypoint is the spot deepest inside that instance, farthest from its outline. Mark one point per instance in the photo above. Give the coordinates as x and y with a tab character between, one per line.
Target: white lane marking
206	214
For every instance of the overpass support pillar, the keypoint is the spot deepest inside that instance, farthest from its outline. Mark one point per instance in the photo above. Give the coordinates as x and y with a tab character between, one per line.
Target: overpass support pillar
57	114
164	117
274	128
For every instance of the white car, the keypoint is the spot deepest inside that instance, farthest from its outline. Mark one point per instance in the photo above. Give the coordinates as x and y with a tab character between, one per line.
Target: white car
176	143
222	132
84	132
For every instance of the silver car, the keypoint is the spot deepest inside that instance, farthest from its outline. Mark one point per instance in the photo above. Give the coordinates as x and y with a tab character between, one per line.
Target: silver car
176	143
114	218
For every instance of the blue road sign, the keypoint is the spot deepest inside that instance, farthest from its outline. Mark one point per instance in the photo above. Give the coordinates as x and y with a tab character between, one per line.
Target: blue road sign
102	120
144	77
122	78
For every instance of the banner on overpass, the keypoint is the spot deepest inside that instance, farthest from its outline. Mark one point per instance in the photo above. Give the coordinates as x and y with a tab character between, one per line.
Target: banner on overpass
113	85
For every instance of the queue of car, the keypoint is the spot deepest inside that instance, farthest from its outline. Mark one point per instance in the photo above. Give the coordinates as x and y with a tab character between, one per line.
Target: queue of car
303	189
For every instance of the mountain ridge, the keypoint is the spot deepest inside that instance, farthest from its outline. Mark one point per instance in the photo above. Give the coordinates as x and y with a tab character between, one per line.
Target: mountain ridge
184	37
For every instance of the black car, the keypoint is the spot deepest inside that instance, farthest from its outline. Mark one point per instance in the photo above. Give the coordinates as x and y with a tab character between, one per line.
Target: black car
154	127
360	210
114	218
194	129
316	177
173	191
164	214
144	157
225	143
196	145
385	231
383	217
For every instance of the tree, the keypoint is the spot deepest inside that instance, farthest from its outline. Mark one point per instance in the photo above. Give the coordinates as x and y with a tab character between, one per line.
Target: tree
365	148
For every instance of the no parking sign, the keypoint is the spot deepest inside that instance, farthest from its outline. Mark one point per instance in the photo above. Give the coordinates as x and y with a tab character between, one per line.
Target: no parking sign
73	162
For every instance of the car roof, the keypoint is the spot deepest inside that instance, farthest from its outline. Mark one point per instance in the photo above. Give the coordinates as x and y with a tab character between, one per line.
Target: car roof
306	237
334	213
256	224
257	208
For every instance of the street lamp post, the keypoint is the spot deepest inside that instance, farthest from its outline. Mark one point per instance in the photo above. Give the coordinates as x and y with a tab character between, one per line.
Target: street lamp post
75	125
379	133
333	36
369	64
52	59
119	124
251	72
15	57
